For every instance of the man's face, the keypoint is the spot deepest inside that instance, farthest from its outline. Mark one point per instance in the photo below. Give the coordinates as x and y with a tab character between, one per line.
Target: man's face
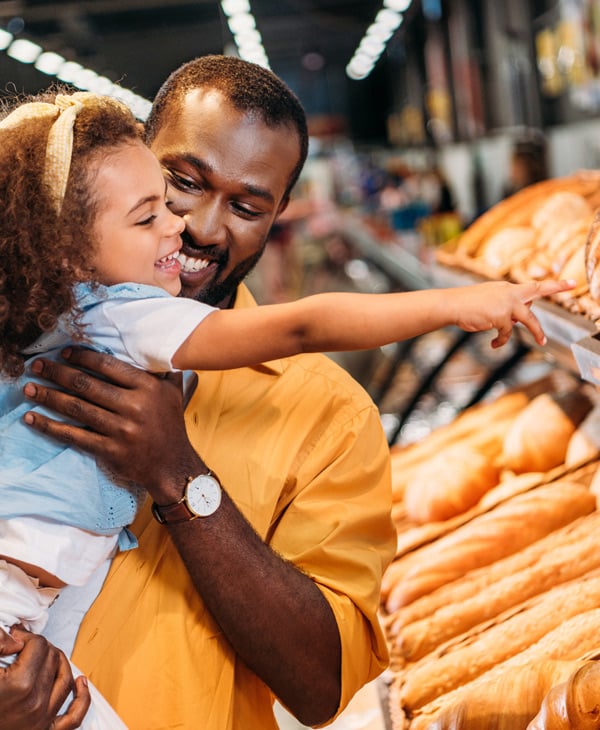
227	174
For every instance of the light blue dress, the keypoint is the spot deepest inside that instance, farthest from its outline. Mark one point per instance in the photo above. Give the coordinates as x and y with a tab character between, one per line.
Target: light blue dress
43	478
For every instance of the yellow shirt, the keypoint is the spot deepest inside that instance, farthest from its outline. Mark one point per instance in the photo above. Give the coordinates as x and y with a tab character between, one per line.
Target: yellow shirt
299	447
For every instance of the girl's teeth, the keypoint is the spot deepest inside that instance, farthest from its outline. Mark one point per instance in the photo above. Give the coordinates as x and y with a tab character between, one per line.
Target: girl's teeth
164	259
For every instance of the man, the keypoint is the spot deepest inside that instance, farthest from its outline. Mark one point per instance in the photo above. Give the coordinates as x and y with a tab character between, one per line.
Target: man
274	590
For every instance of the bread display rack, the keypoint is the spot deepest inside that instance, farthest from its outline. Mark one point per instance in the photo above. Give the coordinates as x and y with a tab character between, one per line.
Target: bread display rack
491	606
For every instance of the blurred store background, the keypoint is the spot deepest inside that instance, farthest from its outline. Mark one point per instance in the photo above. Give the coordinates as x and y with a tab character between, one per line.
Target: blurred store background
423	114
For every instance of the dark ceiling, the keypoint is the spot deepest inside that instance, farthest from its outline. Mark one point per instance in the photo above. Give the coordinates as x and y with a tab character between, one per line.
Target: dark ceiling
138	42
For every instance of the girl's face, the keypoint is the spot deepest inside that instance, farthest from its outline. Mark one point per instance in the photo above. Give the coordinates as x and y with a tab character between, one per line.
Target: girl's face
137	235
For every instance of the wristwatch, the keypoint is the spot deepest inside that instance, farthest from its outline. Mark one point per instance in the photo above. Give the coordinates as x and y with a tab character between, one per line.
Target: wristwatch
201	498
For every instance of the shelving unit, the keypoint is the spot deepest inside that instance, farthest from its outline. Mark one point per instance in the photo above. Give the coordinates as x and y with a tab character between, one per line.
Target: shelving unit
573	340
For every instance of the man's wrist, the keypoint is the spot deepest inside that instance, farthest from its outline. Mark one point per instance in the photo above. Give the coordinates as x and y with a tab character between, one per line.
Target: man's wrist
168	486
199	497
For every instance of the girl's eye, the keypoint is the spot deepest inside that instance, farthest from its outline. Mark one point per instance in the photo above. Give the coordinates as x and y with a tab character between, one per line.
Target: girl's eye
147	221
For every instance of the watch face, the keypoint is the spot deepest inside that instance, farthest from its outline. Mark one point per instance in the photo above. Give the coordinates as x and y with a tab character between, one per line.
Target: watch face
203	495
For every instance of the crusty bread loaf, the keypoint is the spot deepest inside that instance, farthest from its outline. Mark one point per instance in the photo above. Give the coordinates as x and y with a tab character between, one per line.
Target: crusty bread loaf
507	702
406	460
518	209
552	253
540	434
592	258
573	268
572	640
451	482
479	581
502	531
556	566
572	704
558	210
456	477
452	666
584	444
507	247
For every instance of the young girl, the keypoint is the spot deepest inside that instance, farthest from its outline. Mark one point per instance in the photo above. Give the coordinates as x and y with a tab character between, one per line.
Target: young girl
89	254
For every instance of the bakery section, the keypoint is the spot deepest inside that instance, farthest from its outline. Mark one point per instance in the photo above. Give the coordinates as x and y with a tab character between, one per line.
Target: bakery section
491	607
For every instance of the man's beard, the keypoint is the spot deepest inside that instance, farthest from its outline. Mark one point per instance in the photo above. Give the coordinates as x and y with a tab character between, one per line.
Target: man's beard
222	293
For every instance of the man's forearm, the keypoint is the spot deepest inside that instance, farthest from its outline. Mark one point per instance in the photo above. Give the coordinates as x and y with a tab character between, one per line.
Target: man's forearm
274	616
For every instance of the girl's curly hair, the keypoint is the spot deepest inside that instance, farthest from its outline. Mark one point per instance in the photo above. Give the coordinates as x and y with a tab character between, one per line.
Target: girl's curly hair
44	254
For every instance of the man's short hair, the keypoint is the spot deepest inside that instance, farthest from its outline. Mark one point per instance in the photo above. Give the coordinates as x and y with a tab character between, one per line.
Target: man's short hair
250	88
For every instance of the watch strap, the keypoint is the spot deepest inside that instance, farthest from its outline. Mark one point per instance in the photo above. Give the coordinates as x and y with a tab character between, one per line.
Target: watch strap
176	512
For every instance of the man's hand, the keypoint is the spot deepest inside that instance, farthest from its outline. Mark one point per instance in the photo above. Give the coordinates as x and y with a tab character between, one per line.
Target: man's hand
130	420
34	688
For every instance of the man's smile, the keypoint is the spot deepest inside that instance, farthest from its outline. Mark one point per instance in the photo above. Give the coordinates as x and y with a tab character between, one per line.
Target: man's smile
190	264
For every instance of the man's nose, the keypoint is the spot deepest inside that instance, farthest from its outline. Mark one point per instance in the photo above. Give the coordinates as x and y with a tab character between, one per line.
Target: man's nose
206	224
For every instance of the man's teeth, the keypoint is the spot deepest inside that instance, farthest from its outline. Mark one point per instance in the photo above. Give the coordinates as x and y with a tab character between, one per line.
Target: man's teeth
189	264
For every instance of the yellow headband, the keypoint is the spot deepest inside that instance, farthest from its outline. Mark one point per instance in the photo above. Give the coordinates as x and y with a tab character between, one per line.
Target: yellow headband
60	139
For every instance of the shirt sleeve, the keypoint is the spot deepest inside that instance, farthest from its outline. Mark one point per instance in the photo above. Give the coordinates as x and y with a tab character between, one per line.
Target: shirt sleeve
152	330
338	529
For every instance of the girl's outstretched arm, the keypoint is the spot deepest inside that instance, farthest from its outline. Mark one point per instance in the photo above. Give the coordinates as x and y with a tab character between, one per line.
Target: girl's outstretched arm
341	321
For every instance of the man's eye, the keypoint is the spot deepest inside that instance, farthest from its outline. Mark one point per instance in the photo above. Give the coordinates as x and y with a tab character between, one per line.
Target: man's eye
183	183
247	212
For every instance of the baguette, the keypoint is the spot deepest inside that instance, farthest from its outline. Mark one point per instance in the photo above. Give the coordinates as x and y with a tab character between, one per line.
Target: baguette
584	444
571	640
451	667
455	479
559	565
507	702
540	434
592	258
493	535
572	704
476	581
406	460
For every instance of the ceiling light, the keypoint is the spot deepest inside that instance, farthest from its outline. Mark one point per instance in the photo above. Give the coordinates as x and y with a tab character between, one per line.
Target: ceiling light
313	61
250	35
389	18
241	22
233	7
49	63
257	56
376	30
358	71
6	39
24	50
72	73
68	71
387	21
101	85
248	41
84	79
398	5
371	46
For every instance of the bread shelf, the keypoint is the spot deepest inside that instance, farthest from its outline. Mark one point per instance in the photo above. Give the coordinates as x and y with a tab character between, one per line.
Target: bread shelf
573	340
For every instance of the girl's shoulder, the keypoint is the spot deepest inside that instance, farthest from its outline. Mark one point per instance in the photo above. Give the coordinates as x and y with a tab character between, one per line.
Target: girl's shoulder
90	294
